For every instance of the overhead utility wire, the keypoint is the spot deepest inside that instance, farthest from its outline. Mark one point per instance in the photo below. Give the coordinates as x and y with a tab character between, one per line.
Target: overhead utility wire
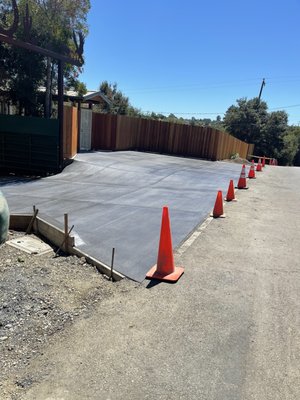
199	86
211	113
183	113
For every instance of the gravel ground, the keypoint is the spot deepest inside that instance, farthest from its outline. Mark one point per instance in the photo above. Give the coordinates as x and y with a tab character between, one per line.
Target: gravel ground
40	296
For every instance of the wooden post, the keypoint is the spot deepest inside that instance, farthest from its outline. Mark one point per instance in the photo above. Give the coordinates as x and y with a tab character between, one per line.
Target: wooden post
64	241
61	112
35	213
35	222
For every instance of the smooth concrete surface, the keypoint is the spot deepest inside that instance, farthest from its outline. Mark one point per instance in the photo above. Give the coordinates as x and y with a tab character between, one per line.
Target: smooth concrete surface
116	199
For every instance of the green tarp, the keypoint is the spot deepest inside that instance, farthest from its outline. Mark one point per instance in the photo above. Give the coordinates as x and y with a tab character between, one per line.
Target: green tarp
4	218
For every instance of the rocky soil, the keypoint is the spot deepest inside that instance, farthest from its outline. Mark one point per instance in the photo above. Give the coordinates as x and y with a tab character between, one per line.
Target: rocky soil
40	295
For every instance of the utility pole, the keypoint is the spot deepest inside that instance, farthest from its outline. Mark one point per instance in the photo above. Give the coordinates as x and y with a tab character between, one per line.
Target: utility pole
261	88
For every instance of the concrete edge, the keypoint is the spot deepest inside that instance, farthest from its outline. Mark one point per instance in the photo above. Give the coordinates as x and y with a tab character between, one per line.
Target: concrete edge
101	267
190	239
56	237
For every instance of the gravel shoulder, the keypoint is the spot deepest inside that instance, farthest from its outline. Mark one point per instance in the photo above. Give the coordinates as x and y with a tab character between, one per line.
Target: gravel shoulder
40	296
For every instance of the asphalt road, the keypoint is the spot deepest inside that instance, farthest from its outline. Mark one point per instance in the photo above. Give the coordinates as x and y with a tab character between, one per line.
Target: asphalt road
229	329
116	199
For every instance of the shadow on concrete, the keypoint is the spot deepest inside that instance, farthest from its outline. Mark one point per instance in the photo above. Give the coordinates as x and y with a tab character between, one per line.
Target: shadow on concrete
14	180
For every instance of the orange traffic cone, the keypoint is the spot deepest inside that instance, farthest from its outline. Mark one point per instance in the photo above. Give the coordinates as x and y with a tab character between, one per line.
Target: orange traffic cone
165	270
230	192
218	208
259	167
251	174
263	161
242	183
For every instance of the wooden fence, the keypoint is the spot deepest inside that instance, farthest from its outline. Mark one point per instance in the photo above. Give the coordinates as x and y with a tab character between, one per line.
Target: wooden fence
118	132
70	131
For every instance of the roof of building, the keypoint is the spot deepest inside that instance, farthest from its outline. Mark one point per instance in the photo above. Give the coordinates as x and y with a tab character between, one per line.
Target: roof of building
96	97
92	96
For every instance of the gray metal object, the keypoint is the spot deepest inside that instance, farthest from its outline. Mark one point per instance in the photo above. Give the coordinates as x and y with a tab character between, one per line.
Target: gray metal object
4	218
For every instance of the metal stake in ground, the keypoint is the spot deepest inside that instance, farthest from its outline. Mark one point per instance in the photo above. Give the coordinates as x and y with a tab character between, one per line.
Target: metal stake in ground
66	226
112	264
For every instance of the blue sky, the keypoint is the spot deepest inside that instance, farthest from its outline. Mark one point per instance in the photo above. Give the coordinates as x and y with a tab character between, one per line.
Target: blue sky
195	58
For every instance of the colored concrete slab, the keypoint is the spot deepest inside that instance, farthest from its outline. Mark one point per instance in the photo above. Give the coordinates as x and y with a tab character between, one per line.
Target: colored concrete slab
115	200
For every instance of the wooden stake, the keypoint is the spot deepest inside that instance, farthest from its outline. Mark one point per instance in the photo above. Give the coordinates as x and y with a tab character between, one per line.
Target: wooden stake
66	237
35	213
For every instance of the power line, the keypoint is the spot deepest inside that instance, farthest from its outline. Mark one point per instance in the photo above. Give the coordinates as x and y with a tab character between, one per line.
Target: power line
183	113
280	108
213	113
216	85
192	86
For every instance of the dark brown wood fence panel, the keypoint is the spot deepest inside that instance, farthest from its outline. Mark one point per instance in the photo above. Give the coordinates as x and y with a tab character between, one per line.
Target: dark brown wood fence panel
112	132
104	131
127	133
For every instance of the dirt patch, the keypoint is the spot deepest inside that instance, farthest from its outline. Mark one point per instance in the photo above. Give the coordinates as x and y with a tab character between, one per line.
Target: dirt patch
39	297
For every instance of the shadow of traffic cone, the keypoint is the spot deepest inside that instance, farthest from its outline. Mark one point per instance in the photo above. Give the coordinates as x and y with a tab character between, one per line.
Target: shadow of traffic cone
259	167
230	192
165	269
251	174
218	208
242	183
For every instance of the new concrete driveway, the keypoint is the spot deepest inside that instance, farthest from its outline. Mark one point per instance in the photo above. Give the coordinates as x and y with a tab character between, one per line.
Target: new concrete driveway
115	200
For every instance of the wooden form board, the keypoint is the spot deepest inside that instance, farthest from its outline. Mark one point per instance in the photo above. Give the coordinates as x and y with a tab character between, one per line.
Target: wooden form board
56	236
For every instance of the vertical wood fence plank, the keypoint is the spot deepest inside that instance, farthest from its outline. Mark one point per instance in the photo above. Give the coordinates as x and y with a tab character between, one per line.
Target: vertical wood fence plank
118	132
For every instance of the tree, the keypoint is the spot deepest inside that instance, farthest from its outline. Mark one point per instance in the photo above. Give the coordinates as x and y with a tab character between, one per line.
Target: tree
290	154
297	156
273	132
245	121
80	88
53	22
119	103
61	18
250	121
218	123
21	72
